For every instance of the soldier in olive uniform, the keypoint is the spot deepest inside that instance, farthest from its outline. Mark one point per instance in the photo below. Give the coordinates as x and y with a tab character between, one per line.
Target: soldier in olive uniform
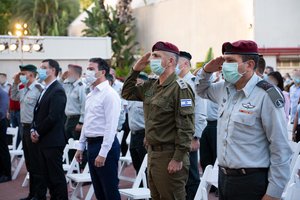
28	97
169	120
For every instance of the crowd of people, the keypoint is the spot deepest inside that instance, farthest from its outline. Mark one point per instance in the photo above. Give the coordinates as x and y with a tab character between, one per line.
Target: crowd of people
235	108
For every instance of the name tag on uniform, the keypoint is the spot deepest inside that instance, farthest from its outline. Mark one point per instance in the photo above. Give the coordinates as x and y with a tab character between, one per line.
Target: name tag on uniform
185	102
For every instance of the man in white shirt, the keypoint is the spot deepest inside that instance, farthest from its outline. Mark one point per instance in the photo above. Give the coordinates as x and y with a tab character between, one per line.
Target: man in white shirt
99	131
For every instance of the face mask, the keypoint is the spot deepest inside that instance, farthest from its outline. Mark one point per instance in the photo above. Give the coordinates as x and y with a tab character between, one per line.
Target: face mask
71	79
90	77
296	80
230	72
156	68
23	79
42	74
177	70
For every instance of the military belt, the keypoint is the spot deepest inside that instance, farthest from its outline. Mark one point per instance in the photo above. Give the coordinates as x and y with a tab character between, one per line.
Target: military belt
163	147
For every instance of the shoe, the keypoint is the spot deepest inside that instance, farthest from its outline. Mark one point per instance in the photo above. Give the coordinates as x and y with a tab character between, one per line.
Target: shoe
4	179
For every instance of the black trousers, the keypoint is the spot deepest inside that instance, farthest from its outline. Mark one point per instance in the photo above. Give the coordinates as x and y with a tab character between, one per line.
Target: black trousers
50	160
5	164
243	187
208	145
105	179
298	133
137	149
37	186
194	178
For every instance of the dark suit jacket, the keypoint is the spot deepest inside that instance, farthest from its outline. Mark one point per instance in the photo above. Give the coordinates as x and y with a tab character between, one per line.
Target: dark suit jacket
49	117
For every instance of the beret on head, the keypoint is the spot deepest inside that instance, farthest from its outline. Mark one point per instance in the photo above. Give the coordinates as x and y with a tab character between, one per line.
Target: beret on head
185	55
241	47
28	67
165	46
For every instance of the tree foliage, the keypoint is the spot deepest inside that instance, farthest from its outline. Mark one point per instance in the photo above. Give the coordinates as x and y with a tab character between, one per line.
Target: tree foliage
117	23
6	11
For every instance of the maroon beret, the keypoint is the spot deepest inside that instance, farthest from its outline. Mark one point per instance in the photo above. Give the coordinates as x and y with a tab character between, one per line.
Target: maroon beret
242	47
165	46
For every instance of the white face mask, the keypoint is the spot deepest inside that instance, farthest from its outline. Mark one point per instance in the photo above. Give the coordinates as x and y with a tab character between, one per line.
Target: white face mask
90	77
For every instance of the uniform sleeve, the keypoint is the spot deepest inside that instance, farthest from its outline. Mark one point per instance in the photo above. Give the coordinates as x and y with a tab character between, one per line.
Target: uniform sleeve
130	90
82	97
274	124
185	105
200	116
15	94
206	89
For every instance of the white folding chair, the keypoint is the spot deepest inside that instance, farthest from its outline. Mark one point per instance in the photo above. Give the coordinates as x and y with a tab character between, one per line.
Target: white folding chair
26	180
295	155
17	162
125	161
14	133
136	192
78	180
120	135
293	185
204	186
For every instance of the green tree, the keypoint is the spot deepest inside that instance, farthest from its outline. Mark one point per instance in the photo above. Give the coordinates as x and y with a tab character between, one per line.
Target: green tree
47	17
6	11
117	23
209	55
84	4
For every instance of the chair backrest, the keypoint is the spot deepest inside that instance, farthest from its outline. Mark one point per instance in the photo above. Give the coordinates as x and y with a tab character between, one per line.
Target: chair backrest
14	133
295	155
141	176
204	186
120	135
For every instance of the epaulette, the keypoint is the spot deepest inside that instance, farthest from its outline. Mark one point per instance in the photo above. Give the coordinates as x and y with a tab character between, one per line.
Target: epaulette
182	84
274	93
80	83
193	79
39	87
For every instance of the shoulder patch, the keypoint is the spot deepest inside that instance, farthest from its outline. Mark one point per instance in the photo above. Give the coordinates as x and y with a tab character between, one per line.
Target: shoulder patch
274	93
182	84
39	87
193	79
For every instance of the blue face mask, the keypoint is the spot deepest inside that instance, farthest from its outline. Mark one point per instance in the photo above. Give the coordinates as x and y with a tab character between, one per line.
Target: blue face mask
230	72
23	79
156	68
42	74
296	80
177	70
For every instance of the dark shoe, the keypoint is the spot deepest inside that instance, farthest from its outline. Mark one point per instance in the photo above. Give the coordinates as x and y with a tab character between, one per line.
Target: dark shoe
4	179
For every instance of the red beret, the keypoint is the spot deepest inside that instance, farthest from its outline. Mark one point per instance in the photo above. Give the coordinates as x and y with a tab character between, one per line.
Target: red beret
242	47
165	46
75	66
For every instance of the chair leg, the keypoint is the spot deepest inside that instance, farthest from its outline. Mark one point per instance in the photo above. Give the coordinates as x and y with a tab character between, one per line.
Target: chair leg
18	168
90	193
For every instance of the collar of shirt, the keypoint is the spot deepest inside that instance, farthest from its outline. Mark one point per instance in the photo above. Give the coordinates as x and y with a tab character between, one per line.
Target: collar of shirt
169	80
32	85
188	76
47	86
102	85
248	87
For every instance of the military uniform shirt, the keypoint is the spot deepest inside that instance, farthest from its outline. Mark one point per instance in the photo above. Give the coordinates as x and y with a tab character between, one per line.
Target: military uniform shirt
169	111
28	97
136	115
75	98
200	107
252	132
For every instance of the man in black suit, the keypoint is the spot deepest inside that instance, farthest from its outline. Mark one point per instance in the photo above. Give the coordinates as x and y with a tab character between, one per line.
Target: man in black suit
48	129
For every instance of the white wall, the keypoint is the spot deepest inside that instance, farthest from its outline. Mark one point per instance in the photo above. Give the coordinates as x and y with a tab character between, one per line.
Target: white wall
277	23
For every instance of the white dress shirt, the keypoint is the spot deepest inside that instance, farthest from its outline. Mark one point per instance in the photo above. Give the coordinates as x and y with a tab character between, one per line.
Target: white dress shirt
101	106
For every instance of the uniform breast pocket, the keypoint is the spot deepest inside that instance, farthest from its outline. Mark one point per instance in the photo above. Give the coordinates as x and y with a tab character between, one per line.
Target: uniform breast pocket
30	100
161	105
243	131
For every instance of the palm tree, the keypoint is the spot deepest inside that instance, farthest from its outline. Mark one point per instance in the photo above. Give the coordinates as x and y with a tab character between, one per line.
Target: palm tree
48	17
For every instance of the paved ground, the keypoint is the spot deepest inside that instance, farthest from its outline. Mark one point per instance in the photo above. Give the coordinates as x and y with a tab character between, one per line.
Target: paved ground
13	190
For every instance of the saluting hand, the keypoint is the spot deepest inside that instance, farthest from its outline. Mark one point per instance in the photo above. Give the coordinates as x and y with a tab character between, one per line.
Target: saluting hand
78	156
141	64
17	78
214	65
174	166
100	161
